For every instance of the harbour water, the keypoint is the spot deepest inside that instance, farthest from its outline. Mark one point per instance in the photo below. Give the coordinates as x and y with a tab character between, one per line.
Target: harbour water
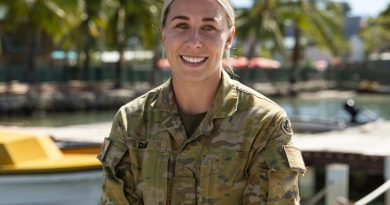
326	105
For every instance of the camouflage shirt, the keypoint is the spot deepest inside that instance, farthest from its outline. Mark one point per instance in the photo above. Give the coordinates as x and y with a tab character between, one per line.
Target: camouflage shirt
242	152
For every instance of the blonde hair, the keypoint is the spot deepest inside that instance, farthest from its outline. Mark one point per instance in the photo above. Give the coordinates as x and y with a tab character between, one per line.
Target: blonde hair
230	17
226	5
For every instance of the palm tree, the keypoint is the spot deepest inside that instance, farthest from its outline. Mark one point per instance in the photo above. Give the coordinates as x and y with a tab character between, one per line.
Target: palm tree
36	16
376	33
320	21
93	22
130	18
317	20
260	24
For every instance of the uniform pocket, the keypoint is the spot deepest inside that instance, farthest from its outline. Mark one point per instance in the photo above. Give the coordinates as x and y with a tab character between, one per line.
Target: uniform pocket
149	163
136	152
148	158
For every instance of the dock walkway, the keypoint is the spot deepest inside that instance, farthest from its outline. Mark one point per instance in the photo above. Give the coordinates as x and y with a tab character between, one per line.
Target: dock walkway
372	139
78	133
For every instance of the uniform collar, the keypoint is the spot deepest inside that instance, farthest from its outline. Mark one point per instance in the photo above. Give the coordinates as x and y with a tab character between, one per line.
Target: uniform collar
224	105
226	100
166	100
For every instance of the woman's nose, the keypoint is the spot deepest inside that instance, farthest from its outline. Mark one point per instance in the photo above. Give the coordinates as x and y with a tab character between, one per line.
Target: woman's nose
194	40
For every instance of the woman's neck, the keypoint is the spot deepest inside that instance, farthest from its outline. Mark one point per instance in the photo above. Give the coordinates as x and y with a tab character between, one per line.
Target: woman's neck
196	97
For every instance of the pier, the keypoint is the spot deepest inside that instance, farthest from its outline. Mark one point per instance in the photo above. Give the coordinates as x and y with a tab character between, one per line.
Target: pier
365	147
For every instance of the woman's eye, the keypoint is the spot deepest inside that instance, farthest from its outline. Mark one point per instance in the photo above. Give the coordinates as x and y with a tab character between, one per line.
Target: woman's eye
208	28
182	26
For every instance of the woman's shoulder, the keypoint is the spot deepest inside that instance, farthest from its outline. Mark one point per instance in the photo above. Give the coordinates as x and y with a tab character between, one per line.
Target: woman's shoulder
141	102
255	99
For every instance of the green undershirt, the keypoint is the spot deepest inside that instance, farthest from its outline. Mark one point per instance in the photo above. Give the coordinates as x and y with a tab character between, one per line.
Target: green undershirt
191	121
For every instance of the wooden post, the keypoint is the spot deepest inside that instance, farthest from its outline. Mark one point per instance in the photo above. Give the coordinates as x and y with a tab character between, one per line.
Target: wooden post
386	174
307	183
337	181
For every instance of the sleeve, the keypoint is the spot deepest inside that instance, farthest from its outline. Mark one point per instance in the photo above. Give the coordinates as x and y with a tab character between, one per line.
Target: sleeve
274	167
118	187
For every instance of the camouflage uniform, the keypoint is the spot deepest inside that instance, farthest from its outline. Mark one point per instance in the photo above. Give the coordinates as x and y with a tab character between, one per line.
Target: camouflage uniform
241	153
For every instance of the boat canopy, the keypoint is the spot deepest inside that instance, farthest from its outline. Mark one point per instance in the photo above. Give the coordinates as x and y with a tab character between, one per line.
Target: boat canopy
28	153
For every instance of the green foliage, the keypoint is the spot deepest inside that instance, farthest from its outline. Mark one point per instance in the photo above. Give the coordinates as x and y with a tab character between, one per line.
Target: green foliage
376	32
320	20
79	23
54	17
261	23
128	18
327	25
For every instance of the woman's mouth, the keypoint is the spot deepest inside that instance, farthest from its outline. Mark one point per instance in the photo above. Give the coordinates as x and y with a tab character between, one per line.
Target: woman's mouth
193	60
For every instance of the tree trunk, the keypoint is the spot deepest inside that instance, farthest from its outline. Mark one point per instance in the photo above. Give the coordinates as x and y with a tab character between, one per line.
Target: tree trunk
252	50
31	57
252	43
88	39
119	69
152	79
120	40
86	63
295	58
245	78
157	54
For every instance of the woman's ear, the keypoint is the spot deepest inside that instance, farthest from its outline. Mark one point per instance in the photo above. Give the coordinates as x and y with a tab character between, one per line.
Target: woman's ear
229	41
162	35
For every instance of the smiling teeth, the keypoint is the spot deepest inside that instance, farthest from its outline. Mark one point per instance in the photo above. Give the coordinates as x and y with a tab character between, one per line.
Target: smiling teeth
193	60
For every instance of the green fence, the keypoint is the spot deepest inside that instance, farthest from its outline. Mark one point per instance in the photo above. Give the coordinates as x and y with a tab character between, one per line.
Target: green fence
373	71
132	75
63	74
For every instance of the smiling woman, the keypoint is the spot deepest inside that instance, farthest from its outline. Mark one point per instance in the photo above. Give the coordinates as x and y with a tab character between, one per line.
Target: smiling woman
200	138
195	35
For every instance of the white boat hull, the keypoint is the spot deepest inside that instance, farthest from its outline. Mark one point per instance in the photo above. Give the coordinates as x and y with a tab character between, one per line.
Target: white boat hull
75	188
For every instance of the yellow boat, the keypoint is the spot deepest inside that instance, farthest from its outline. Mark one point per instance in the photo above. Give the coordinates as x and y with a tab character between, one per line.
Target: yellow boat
34	170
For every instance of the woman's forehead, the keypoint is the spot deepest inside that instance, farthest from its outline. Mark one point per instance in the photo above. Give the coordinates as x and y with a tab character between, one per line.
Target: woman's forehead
204	9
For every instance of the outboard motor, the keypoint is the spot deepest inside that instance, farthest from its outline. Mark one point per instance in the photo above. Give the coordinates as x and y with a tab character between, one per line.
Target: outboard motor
350	107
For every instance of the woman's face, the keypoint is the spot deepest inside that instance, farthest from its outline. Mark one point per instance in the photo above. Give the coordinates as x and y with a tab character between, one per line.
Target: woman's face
195	35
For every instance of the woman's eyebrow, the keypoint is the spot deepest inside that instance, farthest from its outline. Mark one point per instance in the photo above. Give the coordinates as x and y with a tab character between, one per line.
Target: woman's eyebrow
180	18
208	19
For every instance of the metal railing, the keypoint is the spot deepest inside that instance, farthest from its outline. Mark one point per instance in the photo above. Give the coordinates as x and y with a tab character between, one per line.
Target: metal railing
363	201
373	195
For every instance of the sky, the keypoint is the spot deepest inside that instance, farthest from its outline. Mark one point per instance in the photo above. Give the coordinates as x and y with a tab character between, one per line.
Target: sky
364	8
